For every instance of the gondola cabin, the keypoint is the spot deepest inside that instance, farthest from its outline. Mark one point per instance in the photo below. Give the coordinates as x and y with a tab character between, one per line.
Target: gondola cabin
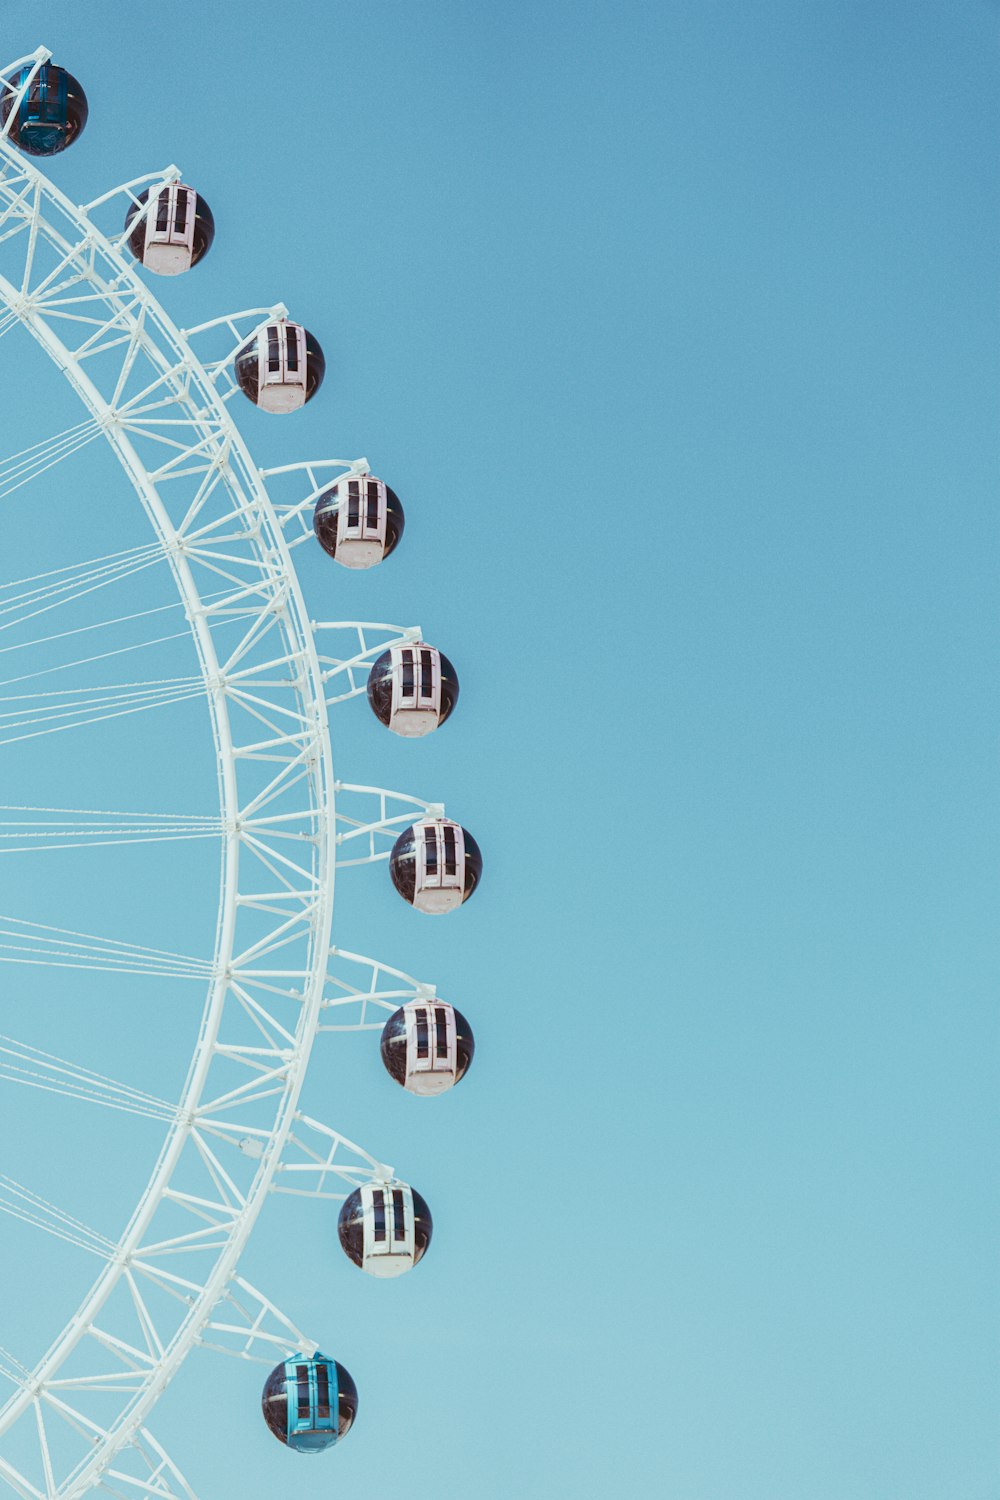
412	689
281	368
358	521
51	114
436	865
385	1228
427	1046
309	1402
175	234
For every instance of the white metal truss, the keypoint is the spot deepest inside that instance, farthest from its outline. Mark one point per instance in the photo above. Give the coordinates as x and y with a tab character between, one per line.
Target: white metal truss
158	397
294	509
246	1325
317	1156
362	993
142	1471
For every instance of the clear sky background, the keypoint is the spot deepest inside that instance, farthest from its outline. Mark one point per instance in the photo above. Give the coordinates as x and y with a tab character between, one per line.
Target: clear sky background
675	327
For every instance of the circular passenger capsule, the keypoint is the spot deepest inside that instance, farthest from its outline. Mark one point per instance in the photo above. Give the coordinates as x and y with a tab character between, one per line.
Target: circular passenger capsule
282	368
175	234
358	521
436	865
427	1046
51	114
412	689
385	1228
309	1402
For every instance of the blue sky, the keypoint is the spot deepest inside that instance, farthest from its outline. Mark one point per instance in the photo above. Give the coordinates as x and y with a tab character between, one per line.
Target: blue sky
674	326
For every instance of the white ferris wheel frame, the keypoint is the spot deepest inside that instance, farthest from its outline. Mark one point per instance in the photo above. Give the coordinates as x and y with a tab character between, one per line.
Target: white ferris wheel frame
272	987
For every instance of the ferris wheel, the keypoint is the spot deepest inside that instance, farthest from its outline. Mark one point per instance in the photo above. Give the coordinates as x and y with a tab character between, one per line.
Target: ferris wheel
223	532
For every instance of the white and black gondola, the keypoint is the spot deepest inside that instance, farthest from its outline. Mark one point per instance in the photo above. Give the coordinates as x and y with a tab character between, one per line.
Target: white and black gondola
427	1046
385	1228
436	865
412	689
358	521
281	368
175	234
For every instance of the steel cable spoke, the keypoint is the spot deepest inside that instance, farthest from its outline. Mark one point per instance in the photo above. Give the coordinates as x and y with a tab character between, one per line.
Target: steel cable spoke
76	828
11	481
31	1208
65	948
21	1062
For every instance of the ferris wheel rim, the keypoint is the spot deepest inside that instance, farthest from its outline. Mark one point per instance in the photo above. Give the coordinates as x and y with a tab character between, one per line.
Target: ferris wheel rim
181	1129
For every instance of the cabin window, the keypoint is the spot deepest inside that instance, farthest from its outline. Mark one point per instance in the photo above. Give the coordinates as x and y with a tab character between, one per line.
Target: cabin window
302	1386
378	1213
450	858
406	669
423	1041
426	674
322	1391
